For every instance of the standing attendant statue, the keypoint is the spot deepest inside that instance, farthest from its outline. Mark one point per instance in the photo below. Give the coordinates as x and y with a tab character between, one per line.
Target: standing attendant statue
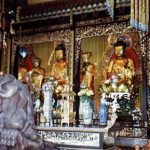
87	71
37	73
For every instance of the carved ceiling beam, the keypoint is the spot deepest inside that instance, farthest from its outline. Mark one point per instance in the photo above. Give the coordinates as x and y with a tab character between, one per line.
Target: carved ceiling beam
95	14
48	12
62	13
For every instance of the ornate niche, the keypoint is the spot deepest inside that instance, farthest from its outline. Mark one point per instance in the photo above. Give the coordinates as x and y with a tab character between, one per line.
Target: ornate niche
102	52
43	46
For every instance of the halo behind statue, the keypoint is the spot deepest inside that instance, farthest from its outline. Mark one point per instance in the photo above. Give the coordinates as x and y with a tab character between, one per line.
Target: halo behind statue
124	38
23	51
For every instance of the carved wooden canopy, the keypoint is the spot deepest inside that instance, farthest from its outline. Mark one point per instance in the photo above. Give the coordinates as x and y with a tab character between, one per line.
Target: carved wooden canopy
58	13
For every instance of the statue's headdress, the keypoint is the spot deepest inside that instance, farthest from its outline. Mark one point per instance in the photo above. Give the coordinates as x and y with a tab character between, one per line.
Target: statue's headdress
36	59
60	47
120	43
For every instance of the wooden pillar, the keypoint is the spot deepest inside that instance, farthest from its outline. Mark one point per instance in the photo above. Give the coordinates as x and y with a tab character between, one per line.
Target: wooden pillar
72	39
2	32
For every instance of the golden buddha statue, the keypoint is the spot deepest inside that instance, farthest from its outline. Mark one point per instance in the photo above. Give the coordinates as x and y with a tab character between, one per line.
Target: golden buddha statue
85	62
122	66
37	73
87	71
59	70
120	71
22	72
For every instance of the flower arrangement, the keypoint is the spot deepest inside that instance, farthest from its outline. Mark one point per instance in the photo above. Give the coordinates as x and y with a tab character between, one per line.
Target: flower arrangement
85	92
86	95
136	114
114	84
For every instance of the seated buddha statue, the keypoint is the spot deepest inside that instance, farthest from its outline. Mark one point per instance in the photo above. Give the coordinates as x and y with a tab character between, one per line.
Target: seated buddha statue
59	69
37	73
121	70
22	72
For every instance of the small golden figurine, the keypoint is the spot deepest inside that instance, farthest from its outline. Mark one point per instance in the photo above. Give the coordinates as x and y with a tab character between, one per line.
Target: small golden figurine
37	73
87	71
22	72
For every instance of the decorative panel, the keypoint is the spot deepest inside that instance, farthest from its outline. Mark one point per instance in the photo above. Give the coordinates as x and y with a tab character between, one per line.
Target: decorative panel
74	138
